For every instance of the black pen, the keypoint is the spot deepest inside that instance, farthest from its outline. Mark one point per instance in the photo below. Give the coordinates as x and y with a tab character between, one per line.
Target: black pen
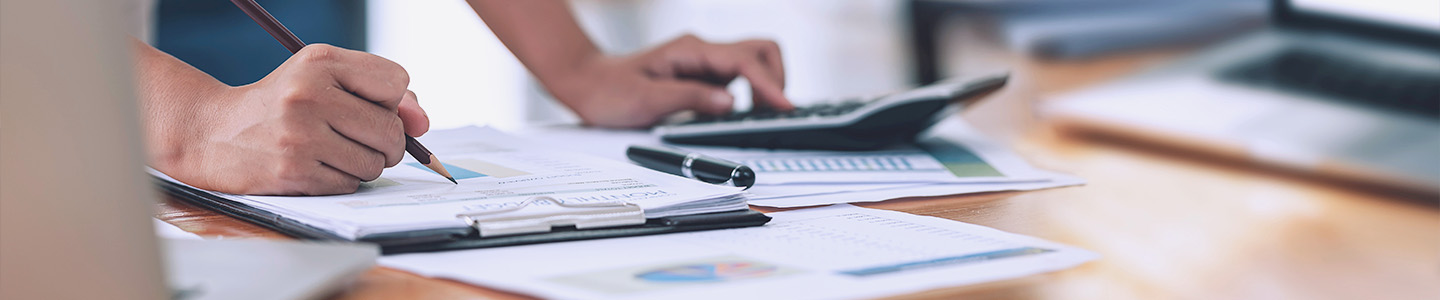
693	165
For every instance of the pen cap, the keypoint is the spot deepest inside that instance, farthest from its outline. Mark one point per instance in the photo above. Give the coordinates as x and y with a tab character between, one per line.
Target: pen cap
743	177
715	170
656	159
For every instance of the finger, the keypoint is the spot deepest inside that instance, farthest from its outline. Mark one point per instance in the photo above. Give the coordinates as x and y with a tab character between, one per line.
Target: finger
769	54
414	117
768	90
350	157
372	126
677	95
770	94
366	75
311	177
327	180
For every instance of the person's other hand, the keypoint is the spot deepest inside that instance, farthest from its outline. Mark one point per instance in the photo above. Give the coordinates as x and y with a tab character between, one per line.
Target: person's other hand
683	74
321	123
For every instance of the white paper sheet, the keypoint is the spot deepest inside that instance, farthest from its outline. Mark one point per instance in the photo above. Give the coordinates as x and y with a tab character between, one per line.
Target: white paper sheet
495	171
977	156
898	164
951	152
835	252
812	195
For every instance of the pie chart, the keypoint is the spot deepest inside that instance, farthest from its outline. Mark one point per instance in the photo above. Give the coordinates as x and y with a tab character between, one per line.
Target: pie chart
708	272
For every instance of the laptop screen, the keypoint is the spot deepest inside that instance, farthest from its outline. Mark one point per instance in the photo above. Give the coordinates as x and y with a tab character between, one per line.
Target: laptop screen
1415	14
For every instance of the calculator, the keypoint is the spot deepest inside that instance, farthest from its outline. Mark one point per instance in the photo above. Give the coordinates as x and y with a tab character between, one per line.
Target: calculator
864	123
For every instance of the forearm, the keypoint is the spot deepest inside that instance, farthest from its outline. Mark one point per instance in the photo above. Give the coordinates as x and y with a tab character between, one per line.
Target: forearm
543	34
633	90
171	93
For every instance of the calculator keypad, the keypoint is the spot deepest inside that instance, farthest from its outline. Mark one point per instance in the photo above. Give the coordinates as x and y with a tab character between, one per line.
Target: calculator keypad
818	110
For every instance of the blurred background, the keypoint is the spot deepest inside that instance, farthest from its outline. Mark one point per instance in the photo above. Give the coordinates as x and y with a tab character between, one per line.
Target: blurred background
1168	227
464	76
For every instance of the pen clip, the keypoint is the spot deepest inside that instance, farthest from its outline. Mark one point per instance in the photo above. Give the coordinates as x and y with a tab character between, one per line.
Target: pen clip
582	215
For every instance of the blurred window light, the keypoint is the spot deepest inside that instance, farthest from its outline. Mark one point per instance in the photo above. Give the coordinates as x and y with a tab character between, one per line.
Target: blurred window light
831	48
1421	14
464	76
461	73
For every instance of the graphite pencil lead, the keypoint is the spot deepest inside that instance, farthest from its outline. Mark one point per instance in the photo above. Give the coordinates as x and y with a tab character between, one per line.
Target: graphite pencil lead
439	168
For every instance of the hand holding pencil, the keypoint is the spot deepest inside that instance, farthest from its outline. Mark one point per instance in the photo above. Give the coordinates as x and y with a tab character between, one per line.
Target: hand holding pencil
371	91
319	124
322	123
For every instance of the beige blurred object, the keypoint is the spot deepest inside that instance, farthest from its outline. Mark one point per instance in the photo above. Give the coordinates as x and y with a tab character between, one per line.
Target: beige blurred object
1167	226
1342	90
74	201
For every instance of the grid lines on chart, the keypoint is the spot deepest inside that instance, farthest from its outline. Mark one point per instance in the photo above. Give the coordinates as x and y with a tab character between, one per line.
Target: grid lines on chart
886	163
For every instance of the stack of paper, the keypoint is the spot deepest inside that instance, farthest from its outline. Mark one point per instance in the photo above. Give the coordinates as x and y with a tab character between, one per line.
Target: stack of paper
950	159
840	251
496	172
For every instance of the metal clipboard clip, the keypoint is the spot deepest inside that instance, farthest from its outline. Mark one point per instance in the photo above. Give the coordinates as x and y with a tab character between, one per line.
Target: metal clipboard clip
583	215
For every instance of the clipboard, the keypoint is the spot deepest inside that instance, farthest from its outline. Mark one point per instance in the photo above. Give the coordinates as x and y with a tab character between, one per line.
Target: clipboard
488	229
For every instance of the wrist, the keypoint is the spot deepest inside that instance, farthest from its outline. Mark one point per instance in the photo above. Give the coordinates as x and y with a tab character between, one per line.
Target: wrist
172	95
176	124
571	81
570	70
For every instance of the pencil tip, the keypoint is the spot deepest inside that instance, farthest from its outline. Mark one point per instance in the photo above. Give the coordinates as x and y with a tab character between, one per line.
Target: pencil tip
452	180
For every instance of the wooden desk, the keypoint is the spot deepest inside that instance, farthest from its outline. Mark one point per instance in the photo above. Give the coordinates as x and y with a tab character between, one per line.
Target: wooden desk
1168	227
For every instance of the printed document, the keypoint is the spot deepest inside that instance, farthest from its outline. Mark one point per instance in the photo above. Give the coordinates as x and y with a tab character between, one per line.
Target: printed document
824	194
952	153
835	252
495	172
951	158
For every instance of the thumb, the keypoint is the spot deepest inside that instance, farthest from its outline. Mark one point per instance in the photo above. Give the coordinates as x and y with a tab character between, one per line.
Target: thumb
414	117
692	95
